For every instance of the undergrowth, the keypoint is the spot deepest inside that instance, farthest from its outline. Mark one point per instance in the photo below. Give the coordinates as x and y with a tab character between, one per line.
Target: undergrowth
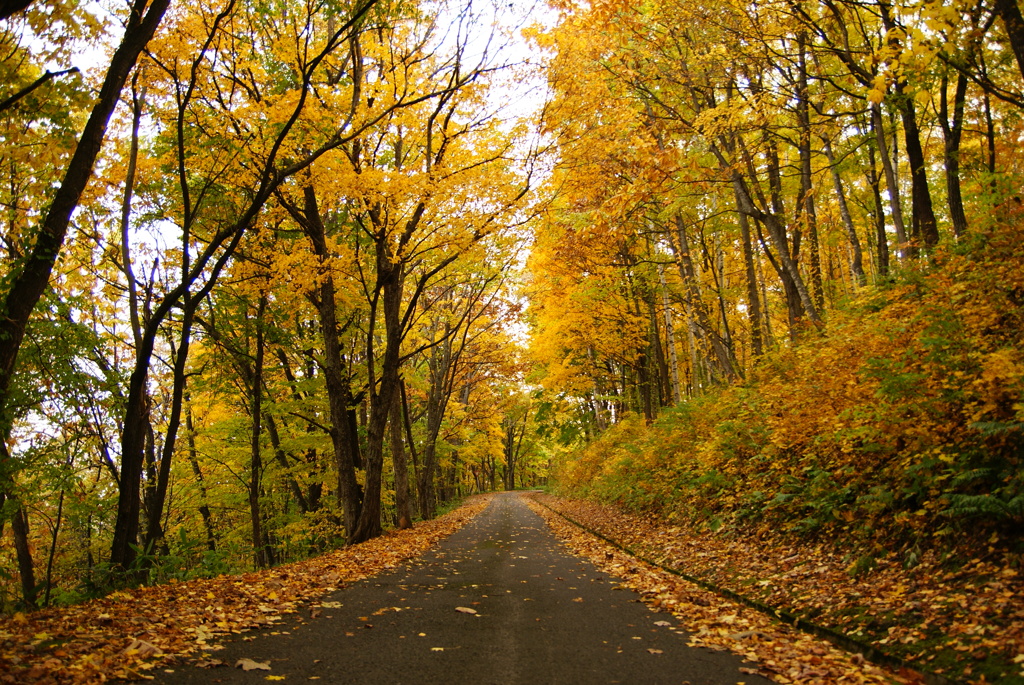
899	428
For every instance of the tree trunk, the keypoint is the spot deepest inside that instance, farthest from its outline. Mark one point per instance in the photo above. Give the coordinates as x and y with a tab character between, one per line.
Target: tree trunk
857	258
753	301
154	531
339	391
193	458
261	553
390	284
282	459
53	549
1013	23
28	282
402	505
777	234
951	133
673	360
881	239
26	569
664	384
723	361
878	126
924	214
806	204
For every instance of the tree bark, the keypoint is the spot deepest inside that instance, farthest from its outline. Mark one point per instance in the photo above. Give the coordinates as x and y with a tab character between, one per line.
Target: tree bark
1013	23
26	568
951	134
724	364
670	336
154	531
881	239
401	467
193	458
878	126
753	300
777	234
282	459
806	204
857	257
438	365
391	282
261	552
339	390
921	197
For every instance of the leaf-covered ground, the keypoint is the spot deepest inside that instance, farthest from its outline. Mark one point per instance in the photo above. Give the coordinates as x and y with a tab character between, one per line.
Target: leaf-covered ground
966	623
128	633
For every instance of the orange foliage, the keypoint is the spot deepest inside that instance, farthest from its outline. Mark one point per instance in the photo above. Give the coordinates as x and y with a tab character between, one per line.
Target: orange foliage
904	417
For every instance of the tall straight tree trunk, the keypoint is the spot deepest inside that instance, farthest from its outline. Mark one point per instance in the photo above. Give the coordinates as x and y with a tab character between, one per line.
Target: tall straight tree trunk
806	204
776	207
856	256
881	239
664	384
282	459
438	365
921	205
344	439
921	199
776	232
261	553
26	568
154	531
891	183
401	467
368	525
750	275
53	549
990	139
204	499
410	441
705	332
670	336
951	133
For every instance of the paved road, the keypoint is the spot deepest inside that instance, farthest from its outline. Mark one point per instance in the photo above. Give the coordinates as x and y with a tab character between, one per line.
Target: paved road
543	616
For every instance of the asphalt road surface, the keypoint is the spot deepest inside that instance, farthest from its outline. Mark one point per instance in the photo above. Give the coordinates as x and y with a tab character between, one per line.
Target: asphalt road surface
542	616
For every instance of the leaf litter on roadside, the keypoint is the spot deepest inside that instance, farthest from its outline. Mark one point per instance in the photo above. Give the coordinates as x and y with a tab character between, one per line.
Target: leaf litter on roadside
952	621
129	632
773	649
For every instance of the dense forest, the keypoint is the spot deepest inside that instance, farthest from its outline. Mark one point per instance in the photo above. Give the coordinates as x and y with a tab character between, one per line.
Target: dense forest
278	276
802	223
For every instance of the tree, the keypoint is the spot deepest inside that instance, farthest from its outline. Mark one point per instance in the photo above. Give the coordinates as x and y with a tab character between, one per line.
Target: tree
30	271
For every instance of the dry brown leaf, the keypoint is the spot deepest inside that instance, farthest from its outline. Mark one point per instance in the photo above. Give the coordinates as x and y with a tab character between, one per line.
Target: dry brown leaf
250	665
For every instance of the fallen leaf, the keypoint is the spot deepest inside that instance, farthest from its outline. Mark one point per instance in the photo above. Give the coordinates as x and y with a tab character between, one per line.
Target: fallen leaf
210	663
142	648
465	610
250	665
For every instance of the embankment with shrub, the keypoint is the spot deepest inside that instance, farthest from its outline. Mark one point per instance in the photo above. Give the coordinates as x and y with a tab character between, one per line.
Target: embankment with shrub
898	428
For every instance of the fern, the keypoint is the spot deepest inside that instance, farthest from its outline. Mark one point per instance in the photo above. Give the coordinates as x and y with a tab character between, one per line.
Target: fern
988	506
971	476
